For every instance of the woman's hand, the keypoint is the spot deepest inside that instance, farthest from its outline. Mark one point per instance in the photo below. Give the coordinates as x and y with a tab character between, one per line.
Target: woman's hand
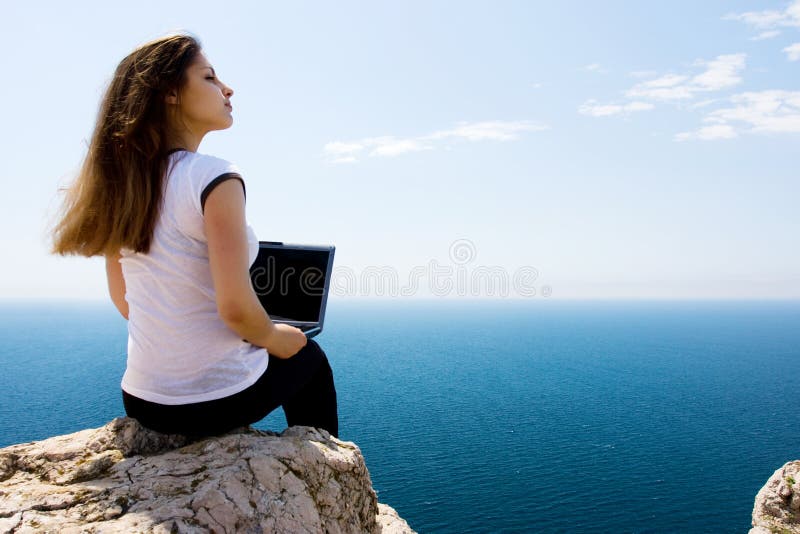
285	341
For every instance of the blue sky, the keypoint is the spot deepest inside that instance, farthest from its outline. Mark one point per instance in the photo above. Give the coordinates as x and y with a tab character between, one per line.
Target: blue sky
602	150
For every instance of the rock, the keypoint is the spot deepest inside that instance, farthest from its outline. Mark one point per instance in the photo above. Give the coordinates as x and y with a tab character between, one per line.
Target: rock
777	506
124	478
390	522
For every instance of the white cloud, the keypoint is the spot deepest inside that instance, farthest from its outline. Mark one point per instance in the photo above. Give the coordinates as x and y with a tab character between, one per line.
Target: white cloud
593	109
770	19
709	133
721	73
595	67
703	103
340	149
659	93
759	19
793	52
769	22
670	80
668	87
771	111
766	35
639	106
389	146
340	152
494	130
599	110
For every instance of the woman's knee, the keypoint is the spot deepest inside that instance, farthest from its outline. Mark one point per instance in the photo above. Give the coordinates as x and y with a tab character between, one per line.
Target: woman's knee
313	351
319	359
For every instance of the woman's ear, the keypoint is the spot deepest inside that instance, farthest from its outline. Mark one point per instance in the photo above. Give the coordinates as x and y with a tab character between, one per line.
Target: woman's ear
172	97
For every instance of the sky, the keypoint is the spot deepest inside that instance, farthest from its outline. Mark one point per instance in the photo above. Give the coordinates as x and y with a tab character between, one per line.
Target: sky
451	149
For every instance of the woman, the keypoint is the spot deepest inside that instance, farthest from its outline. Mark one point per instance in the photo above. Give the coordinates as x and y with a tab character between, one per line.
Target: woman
203	355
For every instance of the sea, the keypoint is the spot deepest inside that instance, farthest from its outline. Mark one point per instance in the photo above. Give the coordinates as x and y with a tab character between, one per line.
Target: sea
498	415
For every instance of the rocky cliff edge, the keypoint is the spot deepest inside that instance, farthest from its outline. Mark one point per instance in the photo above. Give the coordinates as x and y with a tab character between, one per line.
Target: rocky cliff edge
124	478
777	506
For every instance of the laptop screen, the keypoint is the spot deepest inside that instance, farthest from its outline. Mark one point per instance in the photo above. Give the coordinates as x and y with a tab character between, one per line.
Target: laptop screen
291	280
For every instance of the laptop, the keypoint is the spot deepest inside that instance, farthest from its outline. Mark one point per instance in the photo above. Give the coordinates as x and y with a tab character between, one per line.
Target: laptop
292	283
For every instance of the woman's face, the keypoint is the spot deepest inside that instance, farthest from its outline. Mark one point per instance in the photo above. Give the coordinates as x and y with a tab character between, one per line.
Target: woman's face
204	101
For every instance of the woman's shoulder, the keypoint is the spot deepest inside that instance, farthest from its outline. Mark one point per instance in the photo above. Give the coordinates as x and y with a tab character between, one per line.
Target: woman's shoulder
197	159
204	166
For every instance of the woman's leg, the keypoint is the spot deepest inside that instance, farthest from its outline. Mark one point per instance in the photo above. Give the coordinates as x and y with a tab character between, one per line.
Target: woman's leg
315	404
303	385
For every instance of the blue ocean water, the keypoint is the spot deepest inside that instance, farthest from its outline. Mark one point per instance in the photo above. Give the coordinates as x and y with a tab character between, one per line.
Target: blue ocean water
499	416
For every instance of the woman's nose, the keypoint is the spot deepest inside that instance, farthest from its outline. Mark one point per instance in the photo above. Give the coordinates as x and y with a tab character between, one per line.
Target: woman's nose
227	91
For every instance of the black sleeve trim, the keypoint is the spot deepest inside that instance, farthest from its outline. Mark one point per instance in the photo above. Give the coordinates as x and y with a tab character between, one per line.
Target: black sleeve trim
215	182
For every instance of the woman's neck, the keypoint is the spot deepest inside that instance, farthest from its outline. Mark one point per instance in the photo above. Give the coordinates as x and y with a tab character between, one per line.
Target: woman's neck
184	140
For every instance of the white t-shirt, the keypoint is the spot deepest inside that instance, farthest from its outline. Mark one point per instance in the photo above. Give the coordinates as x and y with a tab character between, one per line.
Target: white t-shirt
179	349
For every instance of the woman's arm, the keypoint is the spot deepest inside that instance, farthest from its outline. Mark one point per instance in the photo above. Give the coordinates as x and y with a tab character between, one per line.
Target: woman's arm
116	283
237	303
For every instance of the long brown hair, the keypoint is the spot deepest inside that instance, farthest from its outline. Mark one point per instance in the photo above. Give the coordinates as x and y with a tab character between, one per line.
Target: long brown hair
116	199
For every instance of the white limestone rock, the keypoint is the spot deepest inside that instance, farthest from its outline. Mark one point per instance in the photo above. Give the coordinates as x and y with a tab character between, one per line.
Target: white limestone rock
777	506
124	478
